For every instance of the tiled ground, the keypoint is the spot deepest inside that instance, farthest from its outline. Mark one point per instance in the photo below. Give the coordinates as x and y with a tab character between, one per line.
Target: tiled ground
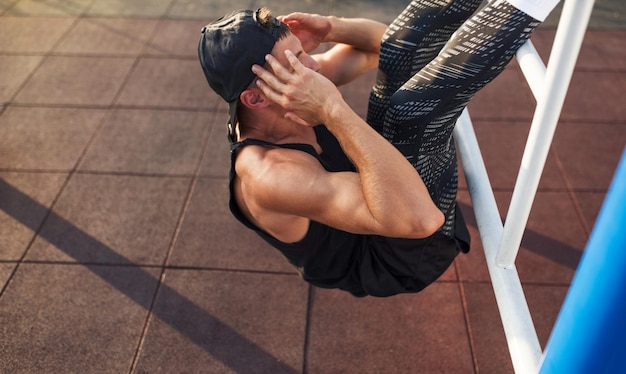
117	253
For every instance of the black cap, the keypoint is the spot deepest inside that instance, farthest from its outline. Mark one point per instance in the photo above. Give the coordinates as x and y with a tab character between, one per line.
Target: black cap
227	50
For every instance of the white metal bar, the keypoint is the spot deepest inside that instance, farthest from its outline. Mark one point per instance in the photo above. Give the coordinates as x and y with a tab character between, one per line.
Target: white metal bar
532	67
519	329
568	41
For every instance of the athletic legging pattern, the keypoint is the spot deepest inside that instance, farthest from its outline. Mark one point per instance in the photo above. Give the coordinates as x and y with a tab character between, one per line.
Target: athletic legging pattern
422	88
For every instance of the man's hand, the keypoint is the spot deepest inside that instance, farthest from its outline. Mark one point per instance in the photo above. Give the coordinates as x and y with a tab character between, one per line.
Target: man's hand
306	96
311	29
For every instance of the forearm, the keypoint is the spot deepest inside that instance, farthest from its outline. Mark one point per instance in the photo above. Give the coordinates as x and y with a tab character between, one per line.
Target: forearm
356	50
394	192
360	33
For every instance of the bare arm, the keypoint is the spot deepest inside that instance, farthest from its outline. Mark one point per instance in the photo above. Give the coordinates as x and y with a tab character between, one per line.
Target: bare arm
387	192
357	43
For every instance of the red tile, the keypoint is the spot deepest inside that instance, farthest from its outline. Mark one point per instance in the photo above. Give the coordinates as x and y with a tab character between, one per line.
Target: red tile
216	160
24	202
24	34
45	138
471	266
112	219
590	204
211	237
104	36
149	141
136	9
226	322
553	242
591	97
20	67
506	97
177	38
545	303
48	8
76	80
502	146
5	272
423	332
356	93
489	342
589	153
72	319
551	247
169	83
593	53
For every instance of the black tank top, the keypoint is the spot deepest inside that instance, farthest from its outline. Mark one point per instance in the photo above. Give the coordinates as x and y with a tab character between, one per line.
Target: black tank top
360	264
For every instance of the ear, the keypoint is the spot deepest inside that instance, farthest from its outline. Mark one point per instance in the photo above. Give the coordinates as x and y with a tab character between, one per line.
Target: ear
253	99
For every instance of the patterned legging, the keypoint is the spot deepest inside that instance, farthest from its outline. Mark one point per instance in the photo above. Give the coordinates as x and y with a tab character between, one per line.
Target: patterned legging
433	60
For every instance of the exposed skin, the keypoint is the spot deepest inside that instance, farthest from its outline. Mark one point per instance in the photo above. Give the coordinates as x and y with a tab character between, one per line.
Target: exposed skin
281	190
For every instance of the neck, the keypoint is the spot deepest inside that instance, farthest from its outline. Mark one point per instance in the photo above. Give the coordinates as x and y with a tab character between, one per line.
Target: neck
274	129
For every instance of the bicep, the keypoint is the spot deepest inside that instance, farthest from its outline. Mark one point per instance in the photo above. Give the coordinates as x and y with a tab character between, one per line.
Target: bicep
307	190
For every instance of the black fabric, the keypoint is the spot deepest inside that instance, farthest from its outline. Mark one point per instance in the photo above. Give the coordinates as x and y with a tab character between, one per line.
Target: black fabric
360	264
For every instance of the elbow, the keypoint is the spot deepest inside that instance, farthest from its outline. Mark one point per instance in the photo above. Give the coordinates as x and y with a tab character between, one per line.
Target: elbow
433	223
427	225
419	227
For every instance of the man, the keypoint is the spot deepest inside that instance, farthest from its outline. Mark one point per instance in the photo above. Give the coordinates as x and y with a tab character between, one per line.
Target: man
366	207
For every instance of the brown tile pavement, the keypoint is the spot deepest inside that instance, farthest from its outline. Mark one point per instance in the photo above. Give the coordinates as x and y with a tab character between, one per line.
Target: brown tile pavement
117	252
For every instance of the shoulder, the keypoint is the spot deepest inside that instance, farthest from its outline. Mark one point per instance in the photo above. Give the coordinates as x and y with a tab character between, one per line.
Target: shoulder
266	186
262	165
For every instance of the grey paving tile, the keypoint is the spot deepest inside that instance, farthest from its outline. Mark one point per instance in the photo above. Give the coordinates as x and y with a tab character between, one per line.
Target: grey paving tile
76	80
177	83
177	38
219	322
23	34
502	146
24	202
113	220
137	8
103	36
551	247
149	141
423	332
45	138
73	319
589	152
20	67
49	7
211	237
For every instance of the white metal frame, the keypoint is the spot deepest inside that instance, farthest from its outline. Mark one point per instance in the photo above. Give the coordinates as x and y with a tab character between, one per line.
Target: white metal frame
501	242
